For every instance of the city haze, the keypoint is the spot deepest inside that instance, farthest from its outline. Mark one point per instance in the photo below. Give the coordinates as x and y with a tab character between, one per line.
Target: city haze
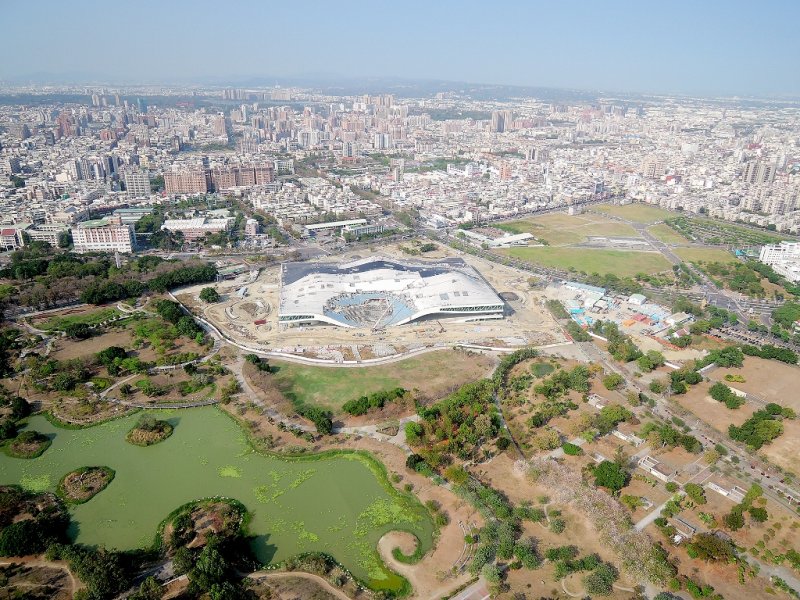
623	46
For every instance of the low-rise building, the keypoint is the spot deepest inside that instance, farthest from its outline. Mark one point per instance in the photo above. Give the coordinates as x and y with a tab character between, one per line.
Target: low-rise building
10	239
193	229
103	235
657	469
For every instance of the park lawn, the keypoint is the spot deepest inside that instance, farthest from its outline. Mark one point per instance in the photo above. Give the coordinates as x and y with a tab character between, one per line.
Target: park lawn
434	374
58	323
640	213
667	234
622	263
705	255
558	229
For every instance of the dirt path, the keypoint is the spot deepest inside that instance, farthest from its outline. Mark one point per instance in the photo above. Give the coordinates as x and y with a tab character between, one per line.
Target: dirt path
315	578
423	576
51	564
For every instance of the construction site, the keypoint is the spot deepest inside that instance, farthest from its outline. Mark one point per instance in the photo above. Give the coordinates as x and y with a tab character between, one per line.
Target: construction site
403	314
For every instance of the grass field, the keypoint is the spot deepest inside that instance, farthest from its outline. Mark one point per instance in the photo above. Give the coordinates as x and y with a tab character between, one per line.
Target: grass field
559	229
623	263
434	374
705	254
640	213
89	318
667	234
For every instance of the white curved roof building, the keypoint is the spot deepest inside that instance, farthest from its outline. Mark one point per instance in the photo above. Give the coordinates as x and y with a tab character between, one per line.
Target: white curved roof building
379	292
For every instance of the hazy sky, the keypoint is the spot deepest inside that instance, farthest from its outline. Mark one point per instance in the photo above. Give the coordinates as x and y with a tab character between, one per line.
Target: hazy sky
698	46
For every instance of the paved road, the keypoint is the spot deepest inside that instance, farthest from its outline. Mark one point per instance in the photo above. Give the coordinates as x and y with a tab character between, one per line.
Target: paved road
654	514
477	591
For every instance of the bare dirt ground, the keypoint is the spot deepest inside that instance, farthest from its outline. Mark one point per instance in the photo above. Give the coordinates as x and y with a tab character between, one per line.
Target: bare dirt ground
770	380
785	451
724	578
500	473
698	402
427	578
527	324
38	578
293	586
65	348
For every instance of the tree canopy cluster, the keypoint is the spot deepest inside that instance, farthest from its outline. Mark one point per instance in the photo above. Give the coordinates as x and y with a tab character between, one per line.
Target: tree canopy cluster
620	346
771	352
722	393
369	402
762	427
459	422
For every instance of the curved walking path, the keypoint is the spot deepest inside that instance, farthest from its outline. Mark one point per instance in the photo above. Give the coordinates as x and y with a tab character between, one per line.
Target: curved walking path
416	574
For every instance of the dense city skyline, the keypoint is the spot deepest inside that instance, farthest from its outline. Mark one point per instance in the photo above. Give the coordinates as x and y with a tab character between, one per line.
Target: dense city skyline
695	48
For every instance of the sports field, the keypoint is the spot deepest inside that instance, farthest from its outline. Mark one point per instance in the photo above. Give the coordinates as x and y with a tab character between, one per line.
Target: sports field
640	213
434	374
623	263
705	255
559	229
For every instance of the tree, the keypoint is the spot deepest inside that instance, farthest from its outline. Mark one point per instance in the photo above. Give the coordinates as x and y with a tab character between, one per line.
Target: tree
414	432
209	295
611	476
759	515
600	582
711	547
65	239
490	574
183	561
695	492
78	331
734	519
111	354
149	590
546	439
613	381
210	568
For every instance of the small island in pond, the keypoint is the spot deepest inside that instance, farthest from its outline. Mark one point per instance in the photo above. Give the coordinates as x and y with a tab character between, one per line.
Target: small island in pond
81	485
28	444
148	431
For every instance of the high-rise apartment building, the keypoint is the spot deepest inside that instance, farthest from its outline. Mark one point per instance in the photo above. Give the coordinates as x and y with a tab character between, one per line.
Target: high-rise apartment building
653	167
223	178
189	181
137	183
498	122
758	171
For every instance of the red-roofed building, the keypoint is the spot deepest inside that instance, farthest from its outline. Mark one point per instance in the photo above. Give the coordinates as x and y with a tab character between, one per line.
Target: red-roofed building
10	239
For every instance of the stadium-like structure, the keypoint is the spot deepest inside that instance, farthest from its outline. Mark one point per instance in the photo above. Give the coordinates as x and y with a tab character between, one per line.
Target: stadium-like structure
379	292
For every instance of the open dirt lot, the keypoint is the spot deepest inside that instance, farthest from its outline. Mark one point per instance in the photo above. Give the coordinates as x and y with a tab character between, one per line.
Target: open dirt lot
65	349
770	380
699	403
785	451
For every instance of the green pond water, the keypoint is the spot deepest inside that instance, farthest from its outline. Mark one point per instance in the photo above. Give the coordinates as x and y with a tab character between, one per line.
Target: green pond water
339	504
